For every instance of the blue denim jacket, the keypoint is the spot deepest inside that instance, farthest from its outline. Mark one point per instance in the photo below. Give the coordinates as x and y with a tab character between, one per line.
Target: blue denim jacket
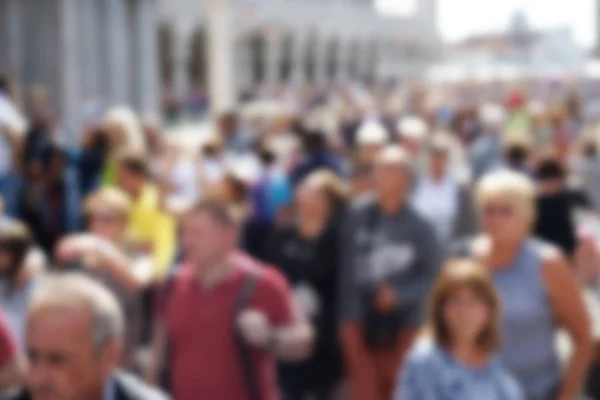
431	373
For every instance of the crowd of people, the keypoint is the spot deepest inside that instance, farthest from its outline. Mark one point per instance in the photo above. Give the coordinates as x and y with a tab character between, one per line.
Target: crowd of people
363	242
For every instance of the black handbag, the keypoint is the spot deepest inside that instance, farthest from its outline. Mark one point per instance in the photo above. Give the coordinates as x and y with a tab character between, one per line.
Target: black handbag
380	329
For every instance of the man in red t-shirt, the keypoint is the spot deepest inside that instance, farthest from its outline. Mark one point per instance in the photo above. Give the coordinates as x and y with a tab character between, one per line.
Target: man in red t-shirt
199	320
11	369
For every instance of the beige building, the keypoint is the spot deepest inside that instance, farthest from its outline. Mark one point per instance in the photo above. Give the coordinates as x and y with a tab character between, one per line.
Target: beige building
122	51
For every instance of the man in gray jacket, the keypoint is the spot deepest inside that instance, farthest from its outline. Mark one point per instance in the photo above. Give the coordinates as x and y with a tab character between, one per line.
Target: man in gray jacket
390	258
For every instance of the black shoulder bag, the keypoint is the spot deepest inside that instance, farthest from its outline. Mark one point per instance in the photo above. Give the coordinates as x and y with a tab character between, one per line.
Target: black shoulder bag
245	353
380	329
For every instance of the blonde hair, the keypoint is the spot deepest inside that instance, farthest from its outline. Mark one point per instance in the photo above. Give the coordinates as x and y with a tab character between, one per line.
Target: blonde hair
129	125
506	185
113	197
334	188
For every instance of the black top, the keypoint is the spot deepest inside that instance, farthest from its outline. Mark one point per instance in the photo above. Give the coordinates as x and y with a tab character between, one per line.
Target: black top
555	222
127	387
312	262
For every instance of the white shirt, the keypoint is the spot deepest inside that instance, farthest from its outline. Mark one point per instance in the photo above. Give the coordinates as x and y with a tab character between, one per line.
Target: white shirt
9	116
438	202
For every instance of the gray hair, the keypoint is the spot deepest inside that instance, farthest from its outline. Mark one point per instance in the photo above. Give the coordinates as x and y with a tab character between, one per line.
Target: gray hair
74	292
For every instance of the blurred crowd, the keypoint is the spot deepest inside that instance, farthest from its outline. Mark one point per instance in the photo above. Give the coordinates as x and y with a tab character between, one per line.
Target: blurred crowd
362	241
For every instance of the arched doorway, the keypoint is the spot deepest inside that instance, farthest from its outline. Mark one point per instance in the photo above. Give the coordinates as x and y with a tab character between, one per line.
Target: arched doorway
310	55
287	57
332	50
198	59
165	50
353	59
257	62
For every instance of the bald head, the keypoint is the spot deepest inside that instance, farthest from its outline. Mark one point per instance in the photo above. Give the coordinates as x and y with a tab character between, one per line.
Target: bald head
393	172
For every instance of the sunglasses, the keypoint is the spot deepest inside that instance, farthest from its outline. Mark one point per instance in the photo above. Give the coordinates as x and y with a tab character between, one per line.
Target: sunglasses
103	218
499	210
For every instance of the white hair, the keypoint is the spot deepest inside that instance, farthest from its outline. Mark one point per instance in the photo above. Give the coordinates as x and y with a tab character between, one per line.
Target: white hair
371	133
413	128
74	292
492	114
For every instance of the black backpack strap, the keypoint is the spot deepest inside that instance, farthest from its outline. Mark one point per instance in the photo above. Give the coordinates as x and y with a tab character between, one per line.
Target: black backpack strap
164	295
245	353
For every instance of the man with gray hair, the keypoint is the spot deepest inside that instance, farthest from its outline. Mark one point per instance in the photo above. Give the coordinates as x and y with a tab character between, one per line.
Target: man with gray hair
74	339
390	257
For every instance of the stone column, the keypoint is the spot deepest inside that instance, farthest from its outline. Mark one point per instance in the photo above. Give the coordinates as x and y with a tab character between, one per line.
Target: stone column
272	57
243	61
117	55
148	79
220	56
15	37
362	59
89	29
69	55
182	49
298	57
342	73
320	58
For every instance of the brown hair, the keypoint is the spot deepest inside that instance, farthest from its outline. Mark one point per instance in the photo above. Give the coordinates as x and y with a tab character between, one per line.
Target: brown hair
457	274
335	189
225	213
16	240
134	160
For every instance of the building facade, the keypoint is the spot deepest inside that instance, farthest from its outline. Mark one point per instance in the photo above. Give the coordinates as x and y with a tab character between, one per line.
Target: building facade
295	41
83	51
124	51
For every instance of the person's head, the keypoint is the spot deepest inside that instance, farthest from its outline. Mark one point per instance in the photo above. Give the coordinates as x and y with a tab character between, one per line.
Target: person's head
74	334
413	132
517	150
506	205
212	147
371	137
550	169
132	170
232	188
15	244
393	172
492	118
107	211
124	129
6	85
228	124
590	149
320	195
209	232
439	154
53	163
464	307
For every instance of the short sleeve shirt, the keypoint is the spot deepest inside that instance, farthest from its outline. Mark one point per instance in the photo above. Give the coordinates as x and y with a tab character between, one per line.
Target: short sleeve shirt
200	325
8	345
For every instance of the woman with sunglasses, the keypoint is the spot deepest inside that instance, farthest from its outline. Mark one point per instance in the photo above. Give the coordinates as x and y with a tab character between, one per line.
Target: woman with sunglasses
106	253
538	291
456	360
307	252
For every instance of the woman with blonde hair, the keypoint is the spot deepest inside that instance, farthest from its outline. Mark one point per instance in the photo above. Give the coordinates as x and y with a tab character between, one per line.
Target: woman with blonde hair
538	291
307	252
124	131
456	360
106	253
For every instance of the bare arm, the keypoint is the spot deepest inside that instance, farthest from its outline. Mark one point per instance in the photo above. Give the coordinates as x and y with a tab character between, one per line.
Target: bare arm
568	306
158	353
132	274
294	343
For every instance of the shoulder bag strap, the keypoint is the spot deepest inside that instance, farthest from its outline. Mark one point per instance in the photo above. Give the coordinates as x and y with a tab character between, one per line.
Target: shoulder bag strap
245	353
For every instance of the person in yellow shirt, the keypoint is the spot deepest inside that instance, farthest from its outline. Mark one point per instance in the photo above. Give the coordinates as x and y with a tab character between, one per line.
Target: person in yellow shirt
149	225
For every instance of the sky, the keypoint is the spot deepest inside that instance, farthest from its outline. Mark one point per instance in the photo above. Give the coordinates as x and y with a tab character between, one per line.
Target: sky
460	18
